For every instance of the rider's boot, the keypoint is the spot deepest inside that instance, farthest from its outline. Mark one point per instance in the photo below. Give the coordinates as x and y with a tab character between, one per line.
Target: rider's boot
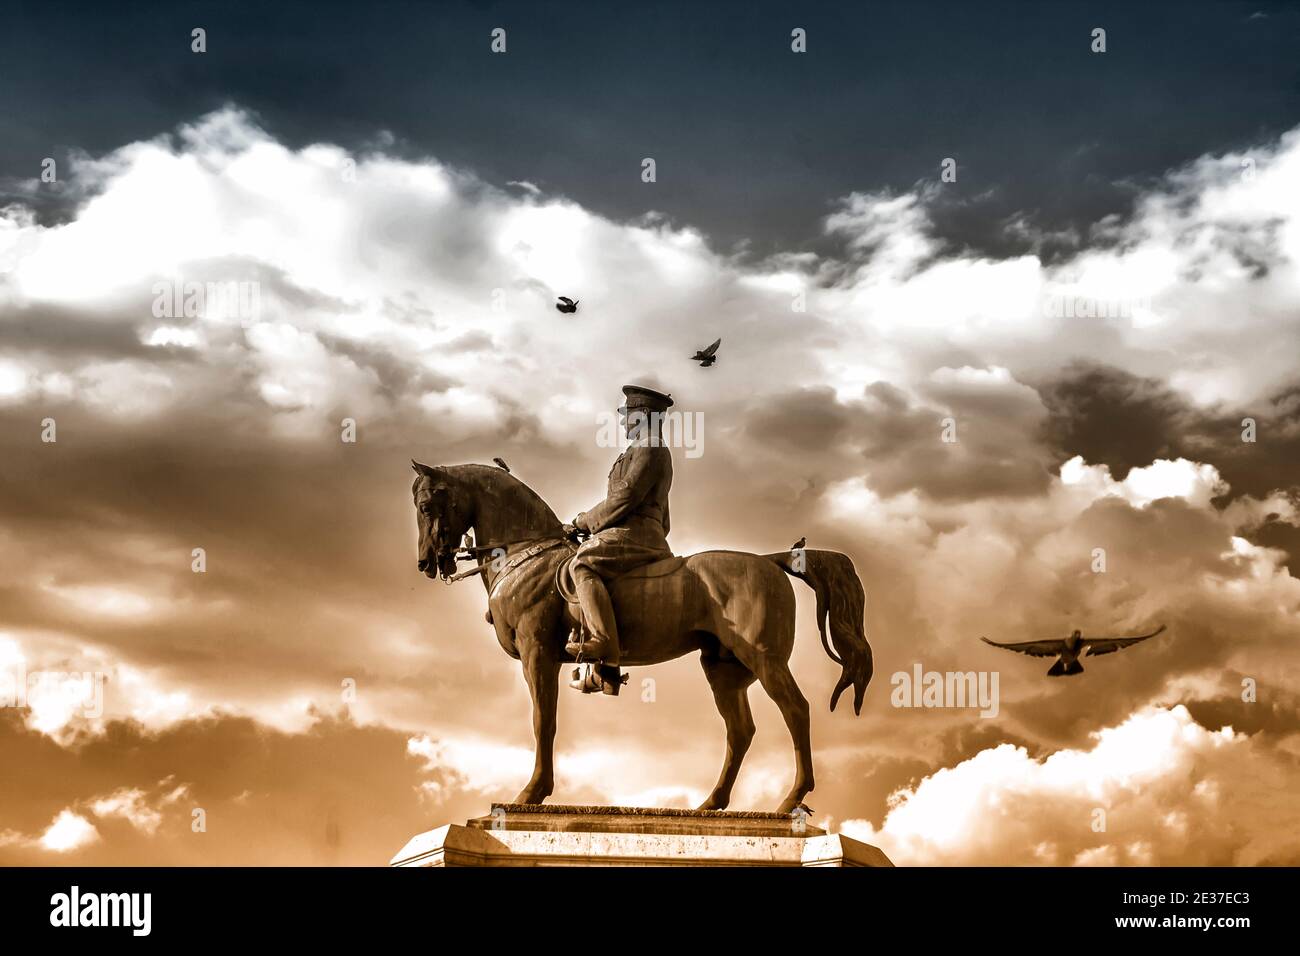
598	638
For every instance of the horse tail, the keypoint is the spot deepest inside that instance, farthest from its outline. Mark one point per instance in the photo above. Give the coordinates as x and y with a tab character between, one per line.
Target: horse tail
841	599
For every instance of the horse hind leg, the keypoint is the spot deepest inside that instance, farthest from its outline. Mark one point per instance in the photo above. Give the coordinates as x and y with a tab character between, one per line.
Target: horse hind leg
763	640
729	680
774	674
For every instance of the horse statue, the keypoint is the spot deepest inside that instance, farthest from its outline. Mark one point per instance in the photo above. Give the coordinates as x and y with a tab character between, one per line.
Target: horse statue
736	609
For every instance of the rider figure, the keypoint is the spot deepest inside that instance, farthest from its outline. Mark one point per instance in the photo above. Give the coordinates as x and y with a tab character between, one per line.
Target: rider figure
628	529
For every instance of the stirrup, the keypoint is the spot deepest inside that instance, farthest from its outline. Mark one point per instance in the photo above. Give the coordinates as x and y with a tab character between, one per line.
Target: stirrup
589	682
604	678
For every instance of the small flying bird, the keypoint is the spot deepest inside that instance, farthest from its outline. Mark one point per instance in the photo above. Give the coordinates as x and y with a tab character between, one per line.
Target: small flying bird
1067	650
566	305
798	544
707	357
501	463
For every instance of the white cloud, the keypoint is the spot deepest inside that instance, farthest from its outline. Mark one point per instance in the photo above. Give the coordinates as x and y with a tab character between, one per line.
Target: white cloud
165	335
1105	805
131	805
69	831
1194	482
13	380
405	249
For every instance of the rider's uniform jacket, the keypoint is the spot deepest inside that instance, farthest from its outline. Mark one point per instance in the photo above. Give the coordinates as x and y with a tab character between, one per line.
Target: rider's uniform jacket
631	525
638	487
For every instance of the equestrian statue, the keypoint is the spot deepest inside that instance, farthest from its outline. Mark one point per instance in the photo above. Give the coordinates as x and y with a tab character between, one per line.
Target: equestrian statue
605	591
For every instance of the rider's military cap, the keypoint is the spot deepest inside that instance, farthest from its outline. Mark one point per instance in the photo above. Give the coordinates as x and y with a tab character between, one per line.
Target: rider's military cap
638	396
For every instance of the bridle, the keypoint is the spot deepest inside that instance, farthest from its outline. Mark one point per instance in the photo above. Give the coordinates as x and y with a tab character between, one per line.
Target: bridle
533	547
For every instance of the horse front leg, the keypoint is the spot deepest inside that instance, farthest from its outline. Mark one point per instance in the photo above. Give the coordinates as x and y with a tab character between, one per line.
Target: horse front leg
542	672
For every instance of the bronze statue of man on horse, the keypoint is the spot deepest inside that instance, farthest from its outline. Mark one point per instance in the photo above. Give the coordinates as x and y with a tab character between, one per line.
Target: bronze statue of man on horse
621	598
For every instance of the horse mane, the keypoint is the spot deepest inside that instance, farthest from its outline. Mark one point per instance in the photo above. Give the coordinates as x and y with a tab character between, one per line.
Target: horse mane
501	485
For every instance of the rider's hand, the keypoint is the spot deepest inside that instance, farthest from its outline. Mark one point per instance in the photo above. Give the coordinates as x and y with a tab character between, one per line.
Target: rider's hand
570	531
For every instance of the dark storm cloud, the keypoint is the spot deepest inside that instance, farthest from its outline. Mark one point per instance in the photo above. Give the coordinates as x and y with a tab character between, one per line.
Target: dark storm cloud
750	138
899	442
72	333
1275	709
803	421
400	376
1111	416
1115	418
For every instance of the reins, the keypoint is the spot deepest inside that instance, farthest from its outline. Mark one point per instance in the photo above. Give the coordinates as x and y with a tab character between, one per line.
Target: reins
471	554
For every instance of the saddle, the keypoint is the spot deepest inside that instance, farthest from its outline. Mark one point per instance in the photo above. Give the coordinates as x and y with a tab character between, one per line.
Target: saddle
599	677
655	569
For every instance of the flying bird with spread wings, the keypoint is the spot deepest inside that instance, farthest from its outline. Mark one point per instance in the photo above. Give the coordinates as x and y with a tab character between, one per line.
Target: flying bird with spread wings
566	305
707	357
1068	650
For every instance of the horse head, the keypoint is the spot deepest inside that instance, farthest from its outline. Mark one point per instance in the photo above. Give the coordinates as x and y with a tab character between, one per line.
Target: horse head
452	499
443	513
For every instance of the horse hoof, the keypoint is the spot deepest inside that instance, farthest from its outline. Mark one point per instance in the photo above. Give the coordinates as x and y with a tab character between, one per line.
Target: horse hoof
531	797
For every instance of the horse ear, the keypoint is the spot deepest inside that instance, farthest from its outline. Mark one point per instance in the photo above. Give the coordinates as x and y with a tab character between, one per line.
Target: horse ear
420	468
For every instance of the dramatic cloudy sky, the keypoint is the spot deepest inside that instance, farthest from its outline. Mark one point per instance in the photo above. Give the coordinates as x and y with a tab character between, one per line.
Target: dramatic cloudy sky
408	205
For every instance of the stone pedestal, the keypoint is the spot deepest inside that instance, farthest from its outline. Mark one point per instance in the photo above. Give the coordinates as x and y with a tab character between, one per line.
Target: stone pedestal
540	835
